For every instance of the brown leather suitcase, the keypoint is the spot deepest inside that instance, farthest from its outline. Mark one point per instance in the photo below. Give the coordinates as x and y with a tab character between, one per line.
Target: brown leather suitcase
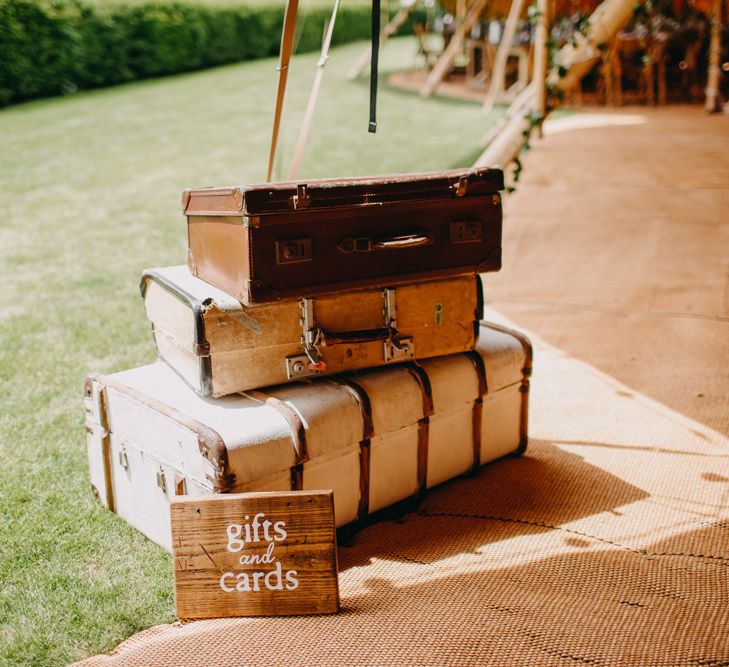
276	241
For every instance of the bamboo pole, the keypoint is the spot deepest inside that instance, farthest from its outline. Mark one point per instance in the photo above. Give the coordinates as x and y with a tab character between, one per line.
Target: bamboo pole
456	45
388	31
496	85
713	92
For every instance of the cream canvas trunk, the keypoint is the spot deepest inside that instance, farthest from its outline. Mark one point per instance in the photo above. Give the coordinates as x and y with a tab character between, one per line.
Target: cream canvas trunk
375	437
220	347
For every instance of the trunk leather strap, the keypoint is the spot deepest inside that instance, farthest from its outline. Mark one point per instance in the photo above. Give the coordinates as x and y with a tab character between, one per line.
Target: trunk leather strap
526	373
421	377
423	440
297	477
368	432
106	449
293	419
477	360
287	47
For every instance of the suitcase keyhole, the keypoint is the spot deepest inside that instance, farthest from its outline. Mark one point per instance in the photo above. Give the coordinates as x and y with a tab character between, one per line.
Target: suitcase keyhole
438	314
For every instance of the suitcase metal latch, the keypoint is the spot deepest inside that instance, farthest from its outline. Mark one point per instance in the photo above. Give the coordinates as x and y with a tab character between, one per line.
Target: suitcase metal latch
301	198
161	480
400	350
309	363
395	348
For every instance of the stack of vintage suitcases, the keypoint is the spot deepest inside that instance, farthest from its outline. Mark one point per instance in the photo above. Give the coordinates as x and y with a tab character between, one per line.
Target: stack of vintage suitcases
290	292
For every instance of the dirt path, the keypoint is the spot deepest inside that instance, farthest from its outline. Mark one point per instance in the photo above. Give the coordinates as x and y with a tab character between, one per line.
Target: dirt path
616	249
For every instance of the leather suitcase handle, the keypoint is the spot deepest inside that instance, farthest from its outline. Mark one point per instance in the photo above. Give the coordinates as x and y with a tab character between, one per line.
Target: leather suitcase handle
363	336
399	242
405	241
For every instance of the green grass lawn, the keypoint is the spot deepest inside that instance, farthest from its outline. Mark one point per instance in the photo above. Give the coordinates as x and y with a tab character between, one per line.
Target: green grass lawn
90	190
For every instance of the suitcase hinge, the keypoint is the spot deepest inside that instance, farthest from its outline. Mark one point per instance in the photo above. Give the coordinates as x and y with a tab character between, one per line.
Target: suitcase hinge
301	198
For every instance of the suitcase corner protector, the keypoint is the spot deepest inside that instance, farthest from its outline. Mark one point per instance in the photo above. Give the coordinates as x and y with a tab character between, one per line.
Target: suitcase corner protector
186	193
213	448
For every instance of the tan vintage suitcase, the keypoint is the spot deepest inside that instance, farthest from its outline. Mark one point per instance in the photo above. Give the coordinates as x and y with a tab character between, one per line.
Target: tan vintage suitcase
375	437
220	347
263	243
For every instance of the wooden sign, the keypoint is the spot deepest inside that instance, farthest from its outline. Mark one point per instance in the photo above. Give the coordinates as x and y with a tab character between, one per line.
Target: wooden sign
255	554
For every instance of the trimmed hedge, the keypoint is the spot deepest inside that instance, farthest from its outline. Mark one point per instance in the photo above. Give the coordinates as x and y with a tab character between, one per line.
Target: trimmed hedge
52	49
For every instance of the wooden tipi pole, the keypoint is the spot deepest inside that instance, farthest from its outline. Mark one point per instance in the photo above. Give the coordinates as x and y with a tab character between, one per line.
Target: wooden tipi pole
713	92
313	97
521	105
610	17
541	57
454	48
496	85
287	47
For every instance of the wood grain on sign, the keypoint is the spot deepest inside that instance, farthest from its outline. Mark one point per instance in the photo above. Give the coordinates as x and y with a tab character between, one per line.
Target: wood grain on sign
255	554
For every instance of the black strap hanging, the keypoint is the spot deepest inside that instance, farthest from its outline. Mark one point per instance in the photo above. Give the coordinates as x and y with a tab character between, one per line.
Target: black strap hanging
373	64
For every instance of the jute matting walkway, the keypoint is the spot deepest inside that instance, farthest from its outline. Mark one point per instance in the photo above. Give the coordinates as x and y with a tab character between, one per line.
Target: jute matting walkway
608	542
